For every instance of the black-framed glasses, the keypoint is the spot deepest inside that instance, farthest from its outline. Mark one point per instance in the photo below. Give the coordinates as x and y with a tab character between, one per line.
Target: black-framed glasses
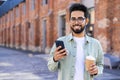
79	19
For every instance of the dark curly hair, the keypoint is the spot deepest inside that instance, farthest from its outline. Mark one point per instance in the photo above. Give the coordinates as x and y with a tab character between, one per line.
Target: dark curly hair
79	7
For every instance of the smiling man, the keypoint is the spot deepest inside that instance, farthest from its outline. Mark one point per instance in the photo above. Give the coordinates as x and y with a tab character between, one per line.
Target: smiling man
70	61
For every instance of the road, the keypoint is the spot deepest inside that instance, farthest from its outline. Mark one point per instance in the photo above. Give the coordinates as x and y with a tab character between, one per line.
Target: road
22	65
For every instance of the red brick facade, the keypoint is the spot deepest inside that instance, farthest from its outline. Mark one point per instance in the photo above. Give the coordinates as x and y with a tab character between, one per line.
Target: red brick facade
107	25
36	24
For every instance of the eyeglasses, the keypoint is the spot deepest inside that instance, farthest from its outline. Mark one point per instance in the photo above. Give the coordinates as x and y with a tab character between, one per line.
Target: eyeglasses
79	19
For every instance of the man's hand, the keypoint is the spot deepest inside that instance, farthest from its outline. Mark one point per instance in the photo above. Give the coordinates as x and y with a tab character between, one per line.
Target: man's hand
93	70
59	54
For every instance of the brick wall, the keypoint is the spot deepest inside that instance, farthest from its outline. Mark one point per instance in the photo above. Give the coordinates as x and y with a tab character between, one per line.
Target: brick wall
107	25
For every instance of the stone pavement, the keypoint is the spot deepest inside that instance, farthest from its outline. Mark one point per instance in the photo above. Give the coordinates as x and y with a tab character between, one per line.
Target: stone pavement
22	65
17	65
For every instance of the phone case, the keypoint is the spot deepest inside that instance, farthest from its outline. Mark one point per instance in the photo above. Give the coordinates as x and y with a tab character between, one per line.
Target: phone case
60	43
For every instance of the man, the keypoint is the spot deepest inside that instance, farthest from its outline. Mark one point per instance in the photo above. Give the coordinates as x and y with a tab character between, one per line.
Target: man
70	62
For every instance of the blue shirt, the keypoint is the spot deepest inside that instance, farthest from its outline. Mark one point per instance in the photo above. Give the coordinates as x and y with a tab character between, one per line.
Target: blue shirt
66	66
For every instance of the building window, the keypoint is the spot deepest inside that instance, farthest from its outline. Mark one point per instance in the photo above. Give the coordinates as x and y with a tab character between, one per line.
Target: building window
44	25
17	12
88	3
32	5
90	28
6	18
3	19
12	16
31	32
24	8
61	25
44	2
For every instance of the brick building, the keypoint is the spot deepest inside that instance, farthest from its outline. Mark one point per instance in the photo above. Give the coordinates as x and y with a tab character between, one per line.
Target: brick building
36	24
107	25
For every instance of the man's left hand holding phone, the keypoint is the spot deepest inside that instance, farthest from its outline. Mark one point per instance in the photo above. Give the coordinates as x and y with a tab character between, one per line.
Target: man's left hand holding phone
60	51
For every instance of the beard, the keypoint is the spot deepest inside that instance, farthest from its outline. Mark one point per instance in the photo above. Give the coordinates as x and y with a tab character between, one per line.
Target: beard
77	31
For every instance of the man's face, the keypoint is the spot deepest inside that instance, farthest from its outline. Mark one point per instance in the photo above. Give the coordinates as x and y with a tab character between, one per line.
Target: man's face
77	22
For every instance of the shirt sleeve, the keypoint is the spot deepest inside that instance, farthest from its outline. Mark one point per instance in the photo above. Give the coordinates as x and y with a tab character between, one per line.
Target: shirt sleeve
100	59
52	65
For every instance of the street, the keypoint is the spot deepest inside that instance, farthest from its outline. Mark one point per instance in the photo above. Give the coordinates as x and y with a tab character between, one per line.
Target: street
17	65
20	65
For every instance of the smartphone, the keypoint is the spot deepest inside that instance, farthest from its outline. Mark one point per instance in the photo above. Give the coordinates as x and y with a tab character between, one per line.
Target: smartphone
60	43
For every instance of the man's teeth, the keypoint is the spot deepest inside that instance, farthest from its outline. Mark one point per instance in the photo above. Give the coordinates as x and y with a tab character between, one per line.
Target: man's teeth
77	27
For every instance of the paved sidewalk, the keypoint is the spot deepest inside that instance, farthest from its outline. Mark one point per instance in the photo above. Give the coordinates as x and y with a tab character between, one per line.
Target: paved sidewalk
17	65
22	65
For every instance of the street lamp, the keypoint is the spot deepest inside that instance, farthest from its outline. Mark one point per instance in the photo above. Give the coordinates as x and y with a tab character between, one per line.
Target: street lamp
90	28
90	31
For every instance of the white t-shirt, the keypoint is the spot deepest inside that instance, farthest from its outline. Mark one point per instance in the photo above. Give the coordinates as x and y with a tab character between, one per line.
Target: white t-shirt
79	65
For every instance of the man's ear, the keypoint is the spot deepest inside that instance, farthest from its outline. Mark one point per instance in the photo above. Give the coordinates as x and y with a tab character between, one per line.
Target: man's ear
87	21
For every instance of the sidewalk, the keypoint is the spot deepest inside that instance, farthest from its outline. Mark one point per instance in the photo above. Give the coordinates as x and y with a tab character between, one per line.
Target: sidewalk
25	65
108	74
20	65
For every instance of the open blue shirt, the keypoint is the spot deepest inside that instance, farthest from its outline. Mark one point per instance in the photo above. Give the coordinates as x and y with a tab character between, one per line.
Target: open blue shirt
66	66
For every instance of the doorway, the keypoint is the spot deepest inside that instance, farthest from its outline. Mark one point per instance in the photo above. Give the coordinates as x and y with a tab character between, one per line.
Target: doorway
43	35
61	25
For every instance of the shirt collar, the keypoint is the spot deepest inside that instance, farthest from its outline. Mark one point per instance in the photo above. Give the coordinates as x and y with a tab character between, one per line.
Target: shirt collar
70	38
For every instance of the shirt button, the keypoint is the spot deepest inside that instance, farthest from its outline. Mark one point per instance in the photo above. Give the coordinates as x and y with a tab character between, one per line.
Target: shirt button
74	46
71	76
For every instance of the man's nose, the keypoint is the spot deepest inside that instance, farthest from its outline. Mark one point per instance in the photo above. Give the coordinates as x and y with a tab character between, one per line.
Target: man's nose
76	21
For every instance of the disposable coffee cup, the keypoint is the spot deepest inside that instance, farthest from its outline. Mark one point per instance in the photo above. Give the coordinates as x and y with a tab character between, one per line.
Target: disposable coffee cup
89	61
